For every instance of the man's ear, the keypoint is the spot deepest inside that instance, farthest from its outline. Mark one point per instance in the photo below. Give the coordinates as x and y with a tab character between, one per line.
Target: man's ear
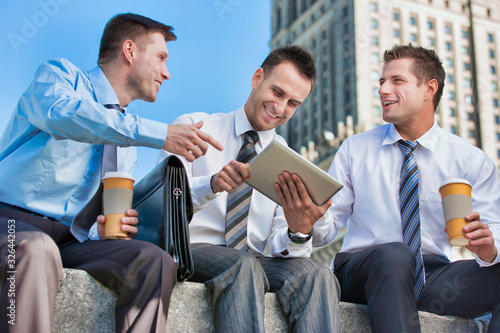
257	77
128	50
431	89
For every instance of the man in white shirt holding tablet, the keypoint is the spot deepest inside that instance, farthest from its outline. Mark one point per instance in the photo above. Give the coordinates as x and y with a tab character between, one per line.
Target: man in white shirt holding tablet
412	154
229	234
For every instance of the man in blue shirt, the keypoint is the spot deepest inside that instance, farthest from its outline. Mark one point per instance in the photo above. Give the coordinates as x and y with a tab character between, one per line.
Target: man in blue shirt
51	158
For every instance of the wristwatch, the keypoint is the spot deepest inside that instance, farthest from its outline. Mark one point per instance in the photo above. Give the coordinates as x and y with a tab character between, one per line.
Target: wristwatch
298	237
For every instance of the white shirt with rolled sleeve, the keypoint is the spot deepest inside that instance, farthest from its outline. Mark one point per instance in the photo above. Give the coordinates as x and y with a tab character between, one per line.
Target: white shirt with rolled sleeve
369	166
208	223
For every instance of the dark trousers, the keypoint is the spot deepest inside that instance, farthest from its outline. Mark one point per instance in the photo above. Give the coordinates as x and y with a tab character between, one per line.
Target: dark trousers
383	278
140	273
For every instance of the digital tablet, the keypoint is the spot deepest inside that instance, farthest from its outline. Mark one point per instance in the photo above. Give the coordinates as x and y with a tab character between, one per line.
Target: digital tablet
276	158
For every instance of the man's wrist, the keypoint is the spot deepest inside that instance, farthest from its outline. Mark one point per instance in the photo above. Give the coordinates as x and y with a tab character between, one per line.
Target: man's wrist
298	237
211	187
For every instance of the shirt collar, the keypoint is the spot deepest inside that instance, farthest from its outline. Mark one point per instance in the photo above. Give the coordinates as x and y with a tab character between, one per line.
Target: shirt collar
241	125
102	88
429	140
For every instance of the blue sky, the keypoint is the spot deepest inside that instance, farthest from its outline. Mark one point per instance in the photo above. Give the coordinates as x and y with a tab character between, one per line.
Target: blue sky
220	45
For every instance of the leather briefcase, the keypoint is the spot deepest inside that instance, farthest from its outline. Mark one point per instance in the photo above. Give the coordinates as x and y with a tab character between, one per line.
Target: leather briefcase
163	200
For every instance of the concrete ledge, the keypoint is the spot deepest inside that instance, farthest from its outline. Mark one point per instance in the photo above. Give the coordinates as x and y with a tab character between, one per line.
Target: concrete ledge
84	305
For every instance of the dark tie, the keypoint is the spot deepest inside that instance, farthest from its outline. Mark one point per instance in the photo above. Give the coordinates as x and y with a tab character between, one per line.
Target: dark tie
87	216
238	201
410	210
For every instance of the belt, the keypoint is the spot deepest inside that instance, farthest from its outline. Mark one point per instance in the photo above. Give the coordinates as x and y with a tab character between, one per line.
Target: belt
5	205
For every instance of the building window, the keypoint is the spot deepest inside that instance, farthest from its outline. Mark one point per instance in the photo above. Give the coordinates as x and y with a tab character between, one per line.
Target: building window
413	20
498	153
464	34
430	25
472	133
413	37
374	58
497	120
490	38
377	112
450	78
451	95
470	116
347	80
492	54
374	76
465	50
374	24
452	112
373	7
468	100
498	136
431	41
454	129
396	33
495	102
448	46
466	66
374	40
494	86
449	62
467	83
395	17
375	92
447	29
493	69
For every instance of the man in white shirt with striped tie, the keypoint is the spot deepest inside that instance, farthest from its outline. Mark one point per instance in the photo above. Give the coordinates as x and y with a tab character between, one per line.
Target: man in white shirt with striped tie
395	255
232	223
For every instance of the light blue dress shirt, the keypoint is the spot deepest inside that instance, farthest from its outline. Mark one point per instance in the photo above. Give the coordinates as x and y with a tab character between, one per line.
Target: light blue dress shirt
51	150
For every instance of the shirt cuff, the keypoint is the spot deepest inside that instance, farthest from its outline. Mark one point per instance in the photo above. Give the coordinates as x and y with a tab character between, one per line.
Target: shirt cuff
93	235
151	133
288	249
483	263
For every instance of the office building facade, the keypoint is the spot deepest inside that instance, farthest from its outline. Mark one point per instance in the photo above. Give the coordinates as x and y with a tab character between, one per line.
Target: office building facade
348	38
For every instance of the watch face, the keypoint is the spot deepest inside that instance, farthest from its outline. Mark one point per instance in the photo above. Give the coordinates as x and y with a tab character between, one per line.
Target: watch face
298	239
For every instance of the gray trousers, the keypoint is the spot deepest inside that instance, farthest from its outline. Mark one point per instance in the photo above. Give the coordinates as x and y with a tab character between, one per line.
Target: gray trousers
140	273
308	292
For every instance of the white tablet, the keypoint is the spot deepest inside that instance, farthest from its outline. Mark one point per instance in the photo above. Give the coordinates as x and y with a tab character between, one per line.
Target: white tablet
275	159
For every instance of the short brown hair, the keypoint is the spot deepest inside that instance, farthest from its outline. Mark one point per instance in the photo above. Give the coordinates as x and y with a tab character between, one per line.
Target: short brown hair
301	58
426	65
129	26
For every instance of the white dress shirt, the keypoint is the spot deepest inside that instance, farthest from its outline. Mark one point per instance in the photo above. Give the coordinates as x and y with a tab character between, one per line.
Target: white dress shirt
208	224
369	166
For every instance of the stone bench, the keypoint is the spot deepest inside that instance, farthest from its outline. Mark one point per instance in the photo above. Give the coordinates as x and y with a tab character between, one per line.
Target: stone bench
84	305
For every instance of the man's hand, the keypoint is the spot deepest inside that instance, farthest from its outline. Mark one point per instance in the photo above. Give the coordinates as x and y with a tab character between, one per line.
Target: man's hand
188	141
230	177
129	224
481	240
300	212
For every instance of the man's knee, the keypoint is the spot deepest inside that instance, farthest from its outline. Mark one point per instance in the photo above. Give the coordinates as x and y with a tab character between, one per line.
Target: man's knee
36	246
393	260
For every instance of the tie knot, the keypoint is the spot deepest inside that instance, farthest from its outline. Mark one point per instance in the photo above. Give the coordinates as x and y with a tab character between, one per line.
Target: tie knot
407	146
251	137
115	107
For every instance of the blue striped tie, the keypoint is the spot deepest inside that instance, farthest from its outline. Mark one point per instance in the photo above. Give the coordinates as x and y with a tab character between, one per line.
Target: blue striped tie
410	210
238	201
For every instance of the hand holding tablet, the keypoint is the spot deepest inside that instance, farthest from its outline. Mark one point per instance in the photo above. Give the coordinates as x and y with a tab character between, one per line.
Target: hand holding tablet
277	158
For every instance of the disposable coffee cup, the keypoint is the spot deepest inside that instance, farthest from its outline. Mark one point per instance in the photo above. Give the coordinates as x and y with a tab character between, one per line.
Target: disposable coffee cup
457	202
118	190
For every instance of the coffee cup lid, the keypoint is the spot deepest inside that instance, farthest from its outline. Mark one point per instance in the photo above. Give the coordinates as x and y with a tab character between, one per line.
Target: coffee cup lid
455	180
114	174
